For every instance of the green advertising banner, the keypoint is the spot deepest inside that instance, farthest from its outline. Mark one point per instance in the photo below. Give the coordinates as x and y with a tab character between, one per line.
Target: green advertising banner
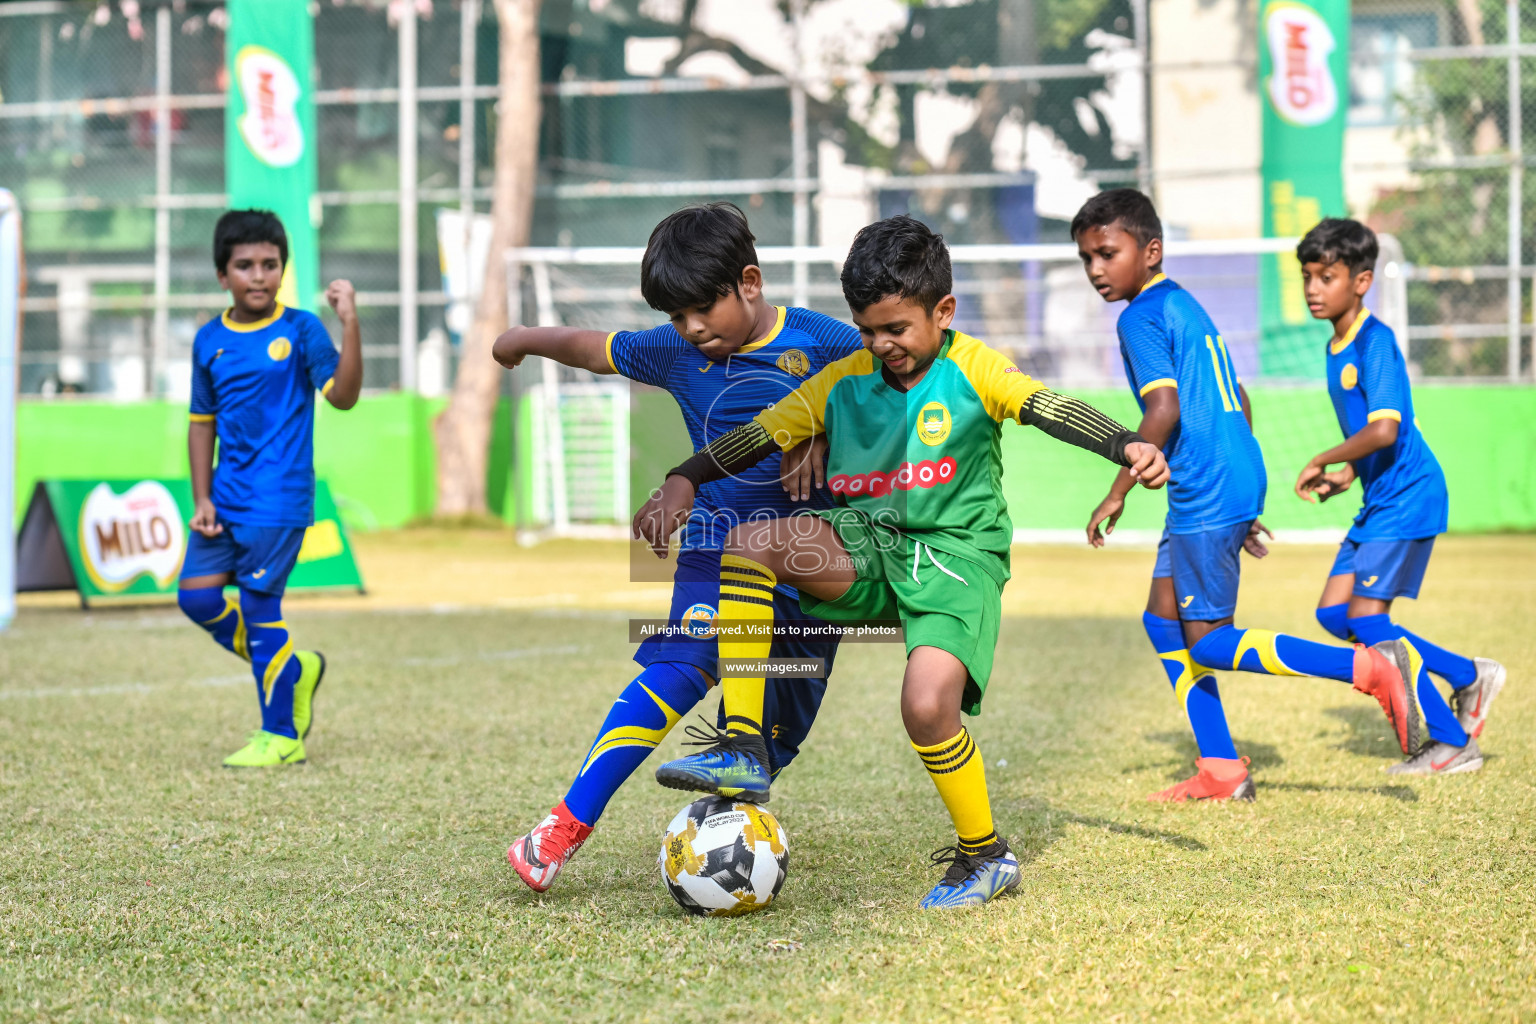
269	129
1304	82
125	539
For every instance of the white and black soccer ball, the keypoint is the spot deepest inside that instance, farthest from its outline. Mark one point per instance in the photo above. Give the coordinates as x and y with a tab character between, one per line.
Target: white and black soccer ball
721	858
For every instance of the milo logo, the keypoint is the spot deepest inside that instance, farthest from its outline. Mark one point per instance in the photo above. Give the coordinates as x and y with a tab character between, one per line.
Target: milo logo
136	533
270	125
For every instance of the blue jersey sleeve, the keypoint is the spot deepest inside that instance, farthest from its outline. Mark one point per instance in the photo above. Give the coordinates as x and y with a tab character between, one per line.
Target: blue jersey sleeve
836	338
1383	381
645	356
204	402
320	355
1148	353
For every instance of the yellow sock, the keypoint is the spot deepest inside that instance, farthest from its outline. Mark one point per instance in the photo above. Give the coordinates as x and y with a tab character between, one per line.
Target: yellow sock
746	604
961	778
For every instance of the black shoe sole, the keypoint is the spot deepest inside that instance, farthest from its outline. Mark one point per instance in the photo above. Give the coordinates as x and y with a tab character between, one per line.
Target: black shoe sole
1246	792
690	784
312	693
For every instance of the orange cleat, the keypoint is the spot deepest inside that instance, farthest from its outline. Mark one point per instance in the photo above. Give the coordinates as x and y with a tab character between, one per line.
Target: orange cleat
1387	672
1217	778
539	855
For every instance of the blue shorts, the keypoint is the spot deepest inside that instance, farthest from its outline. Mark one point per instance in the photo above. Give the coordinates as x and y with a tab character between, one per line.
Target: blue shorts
1205	570
789	704
1385	569
261	557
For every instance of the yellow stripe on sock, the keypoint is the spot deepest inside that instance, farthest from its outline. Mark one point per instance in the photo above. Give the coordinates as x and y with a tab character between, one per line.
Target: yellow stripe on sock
746	599
963	788
274	669
1263	642
632	735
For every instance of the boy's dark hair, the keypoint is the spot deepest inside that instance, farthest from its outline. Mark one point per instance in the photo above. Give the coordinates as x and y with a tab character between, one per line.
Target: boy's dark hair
1127	207
695	256
246	227
897	256
1336	240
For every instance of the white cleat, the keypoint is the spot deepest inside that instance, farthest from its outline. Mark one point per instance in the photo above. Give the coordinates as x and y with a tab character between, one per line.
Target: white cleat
1471	703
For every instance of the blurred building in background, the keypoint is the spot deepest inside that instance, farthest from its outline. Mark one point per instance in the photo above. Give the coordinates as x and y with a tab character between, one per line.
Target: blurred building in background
991	119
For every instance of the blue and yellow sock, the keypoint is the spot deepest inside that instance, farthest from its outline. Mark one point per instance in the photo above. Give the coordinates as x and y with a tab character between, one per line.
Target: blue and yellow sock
1276	654
1451	667
1335	619
218	614
1196	692
272	661
640	719
1443	726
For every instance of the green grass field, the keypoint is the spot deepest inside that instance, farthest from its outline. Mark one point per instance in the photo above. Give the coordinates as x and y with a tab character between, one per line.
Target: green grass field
139	881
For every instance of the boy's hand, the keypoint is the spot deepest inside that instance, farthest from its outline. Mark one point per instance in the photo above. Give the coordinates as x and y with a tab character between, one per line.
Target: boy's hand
803	465
663	512
505	349
1148	467
343	299
1108	513
205	519
1315	483
1252	544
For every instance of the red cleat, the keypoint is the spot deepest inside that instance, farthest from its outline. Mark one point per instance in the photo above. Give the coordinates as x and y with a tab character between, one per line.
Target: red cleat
1387	672
1217	778
539	855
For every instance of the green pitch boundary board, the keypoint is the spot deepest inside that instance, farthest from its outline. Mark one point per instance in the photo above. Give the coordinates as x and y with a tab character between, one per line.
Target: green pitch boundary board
121	541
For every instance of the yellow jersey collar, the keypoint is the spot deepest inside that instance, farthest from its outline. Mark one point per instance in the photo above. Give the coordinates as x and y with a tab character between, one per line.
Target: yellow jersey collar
1335	347
778	325
1157	279
258	325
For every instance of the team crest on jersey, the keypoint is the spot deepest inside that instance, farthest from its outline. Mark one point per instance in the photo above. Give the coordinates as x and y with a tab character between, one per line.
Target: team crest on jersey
1349	376
933	423
279	349
794	362
699	620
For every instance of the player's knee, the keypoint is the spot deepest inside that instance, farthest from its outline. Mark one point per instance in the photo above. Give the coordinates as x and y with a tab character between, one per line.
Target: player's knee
1214	649
1335	619
752	541
201	604
259	608
927	716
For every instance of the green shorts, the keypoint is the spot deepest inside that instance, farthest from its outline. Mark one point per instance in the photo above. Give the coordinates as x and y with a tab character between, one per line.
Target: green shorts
942	600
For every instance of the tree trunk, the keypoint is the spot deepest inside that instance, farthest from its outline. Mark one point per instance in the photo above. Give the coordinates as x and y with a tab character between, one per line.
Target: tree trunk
463	431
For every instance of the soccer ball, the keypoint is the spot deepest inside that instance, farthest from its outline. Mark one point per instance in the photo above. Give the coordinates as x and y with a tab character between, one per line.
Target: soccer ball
721	858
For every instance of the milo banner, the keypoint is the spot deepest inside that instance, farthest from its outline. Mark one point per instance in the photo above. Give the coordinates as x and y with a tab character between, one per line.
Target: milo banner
1304	89
269	129
125	539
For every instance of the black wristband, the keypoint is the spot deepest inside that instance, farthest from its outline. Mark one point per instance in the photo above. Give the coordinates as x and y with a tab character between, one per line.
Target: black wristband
730	453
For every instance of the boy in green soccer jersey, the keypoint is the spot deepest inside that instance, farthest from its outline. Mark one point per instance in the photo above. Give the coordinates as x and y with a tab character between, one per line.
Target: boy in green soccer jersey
921	533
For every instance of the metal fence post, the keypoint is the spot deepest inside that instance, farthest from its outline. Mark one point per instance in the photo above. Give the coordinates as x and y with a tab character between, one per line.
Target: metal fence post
1516	176
408	204
160	341
1140	21
800	162
469	20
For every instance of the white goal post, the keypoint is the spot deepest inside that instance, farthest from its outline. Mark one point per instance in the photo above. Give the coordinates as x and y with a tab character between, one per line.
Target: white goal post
10	341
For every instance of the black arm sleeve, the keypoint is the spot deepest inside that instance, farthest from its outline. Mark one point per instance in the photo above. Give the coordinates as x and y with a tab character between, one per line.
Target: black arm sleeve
1076	422
730	453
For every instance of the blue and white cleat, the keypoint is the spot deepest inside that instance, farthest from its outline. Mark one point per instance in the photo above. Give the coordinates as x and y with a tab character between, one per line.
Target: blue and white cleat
732	765
973	878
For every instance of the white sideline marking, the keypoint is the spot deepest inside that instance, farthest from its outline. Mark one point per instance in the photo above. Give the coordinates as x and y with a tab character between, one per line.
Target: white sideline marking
459	659
1133	539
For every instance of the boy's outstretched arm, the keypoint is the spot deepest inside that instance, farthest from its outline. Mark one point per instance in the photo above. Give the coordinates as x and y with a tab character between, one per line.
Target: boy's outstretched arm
1157	424
1076	422
572	346
1315	482
347	381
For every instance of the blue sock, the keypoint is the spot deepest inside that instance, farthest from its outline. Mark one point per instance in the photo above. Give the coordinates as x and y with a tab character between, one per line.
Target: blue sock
219	615
1451	667
1373	629
1335	619
1198	694
641	718
1276	654
272	661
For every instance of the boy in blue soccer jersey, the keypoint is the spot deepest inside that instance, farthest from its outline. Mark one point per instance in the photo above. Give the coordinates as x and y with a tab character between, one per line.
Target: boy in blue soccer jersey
1194	406
1406	504
724	355
255	371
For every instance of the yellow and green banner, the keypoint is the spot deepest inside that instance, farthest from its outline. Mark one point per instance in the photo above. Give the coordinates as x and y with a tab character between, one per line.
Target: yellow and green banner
269	130
1304	90
126	540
